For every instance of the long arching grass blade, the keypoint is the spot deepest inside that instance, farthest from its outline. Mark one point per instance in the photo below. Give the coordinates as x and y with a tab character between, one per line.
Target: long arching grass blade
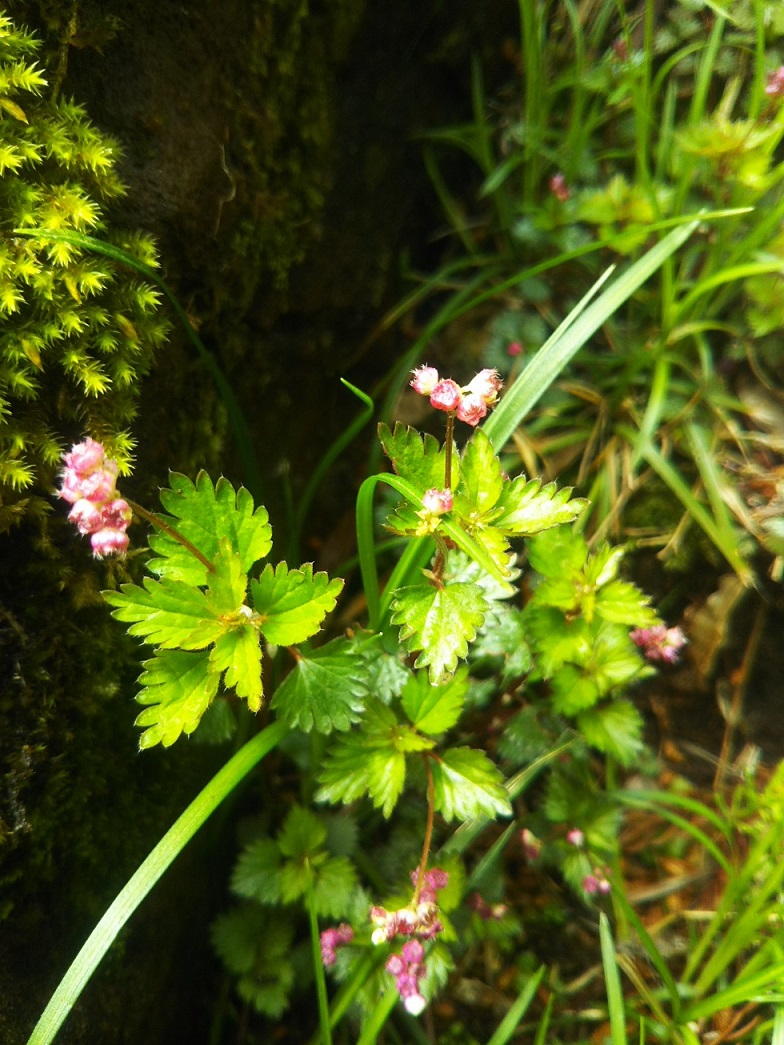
572	334
145	877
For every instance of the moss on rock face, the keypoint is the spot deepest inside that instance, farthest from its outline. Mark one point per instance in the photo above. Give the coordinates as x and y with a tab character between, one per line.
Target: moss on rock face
78	331
281	131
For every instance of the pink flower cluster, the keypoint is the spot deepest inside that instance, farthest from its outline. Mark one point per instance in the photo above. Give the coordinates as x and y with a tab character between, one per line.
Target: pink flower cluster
660	642
408	968
419	920
469	403
331	939
89	484
487	912
596	883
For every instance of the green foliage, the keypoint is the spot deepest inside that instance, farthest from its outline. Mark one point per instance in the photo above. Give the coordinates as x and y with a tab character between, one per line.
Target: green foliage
440	621
578	621
255	946
284	869
204	514
79	332
327	688
620	124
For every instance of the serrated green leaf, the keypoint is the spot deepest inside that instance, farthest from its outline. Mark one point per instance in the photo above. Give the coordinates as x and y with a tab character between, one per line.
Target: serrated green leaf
203	514
326	690
439	621
418	458
467	785
504	635
556	639
434	709
293	603
302	833
558	553
227	585
615	729
256	874
167	613
237	652
526	507
573	690
623	603
333	888
481	479
178	687
366	763
255	944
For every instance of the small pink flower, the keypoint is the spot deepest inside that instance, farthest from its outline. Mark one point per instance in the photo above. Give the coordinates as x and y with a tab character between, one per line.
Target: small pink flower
117	514
514	349
99	485
660	643
413	952
89	484
487	912
446	395
531	844
396	964
425	380
331	939
575	837
596	883
85	457
559	188
85	516
437	502
472	409
109	542
775	85
487	384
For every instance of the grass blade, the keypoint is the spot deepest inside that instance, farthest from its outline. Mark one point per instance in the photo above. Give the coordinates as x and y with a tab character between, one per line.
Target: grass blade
145	877
518	1009
612	981
581	324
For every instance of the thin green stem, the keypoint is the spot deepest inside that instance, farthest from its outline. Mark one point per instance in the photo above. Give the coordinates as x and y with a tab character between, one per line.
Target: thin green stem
318	966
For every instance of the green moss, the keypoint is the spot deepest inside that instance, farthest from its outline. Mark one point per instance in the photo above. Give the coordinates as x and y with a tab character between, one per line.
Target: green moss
281	137
78	331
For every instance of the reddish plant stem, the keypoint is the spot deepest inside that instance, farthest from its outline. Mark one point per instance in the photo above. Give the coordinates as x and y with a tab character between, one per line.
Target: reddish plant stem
175	534
450	427
431	811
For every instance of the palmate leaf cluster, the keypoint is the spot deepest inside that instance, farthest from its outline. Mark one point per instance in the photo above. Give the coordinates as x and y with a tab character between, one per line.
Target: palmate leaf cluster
78	332
440	620
204	615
